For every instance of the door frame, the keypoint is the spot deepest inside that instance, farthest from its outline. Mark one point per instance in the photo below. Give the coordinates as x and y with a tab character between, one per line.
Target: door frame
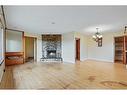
35	47
77	39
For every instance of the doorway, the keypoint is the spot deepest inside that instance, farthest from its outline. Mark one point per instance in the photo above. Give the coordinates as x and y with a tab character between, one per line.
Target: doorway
30	49
77	41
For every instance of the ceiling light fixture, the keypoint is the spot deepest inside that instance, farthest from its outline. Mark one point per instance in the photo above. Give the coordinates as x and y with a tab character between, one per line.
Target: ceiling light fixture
52	22
97	36
125	29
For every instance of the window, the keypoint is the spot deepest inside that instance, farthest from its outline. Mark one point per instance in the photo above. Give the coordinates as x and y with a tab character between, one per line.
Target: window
1	45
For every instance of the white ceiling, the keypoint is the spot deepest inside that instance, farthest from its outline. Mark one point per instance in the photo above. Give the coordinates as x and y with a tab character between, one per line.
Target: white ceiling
61	19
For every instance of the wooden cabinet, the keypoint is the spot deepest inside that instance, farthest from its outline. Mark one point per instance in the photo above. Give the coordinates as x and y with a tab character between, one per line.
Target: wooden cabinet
120	49
13	58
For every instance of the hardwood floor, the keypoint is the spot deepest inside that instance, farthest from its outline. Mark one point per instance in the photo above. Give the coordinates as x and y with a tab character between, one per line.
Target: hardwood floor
89	74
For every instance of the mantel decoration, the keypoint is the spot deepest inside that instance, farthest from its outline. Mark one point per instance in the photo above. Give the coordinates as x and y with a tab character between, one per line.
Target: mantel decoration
98	38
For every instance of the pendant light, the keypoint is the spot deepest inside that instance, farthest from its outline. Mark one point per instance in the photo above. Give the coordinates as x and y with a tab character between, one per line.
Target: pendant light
97	36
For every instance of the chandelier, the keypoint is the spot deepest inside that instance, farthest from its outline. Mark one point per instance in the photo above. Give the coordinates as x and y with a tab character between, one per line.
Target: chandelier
97	36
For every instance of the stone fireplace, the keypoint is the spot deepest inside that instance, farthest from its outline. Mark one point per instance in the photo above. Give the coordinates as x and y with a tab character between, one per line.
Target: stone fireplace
51	47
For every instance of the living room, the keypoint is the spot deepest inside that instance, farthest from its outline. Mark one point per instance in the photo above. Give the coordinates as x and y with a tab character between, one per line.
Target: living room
66	47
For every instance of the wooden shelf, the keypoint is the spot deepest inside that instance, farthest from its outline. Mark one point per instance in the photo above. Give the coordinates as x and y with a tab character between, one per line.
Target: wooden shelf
119	48
12	58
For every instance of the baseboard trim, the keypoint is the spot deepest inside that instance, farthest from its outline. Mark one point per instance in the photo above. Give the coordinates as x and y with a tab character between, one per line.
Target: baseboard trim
100	60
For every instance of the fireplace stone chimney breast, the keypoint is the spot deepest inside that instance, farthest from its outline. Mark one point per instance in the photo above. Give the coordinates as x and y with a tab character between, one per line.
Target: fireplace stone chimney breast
51	47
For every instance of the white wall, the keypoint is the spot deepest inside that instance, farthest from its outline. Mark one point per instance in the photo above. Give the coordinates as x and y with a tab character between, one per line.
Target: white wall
68	47
1	44
2	24
104	53
2	64
83	45
88	47
39	48
39	43
13	41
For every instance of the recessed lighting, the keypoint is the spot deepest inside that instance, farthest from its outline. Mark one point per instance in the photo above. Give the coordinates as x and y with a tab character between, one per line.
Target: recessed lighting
52	22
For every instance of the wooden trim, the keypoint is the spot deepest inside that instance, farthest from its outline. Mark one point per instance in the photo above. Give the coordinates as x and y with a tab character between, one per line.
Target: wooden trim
119	36
14	30
30	37
78	49
124	53
35	43
23	48
114	50
13	53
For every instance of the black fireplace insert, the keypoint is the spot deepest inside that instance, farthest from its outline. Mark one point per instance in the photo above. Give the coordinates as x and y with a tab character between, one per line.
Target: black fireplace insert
51	53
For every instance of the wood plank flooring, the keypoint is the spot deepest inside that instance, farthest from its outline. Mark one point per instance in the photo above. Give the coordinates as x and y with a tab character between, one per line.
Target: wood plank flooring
89	74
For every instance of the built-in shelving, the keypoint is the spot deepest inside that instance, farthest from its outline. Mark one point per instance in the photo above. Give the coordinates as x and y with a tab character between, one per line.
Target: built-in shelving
120	49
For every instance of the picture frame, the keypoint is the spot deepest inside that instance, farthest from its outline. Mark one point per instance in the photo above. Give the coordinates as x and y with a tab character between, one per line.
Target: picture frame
100	42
